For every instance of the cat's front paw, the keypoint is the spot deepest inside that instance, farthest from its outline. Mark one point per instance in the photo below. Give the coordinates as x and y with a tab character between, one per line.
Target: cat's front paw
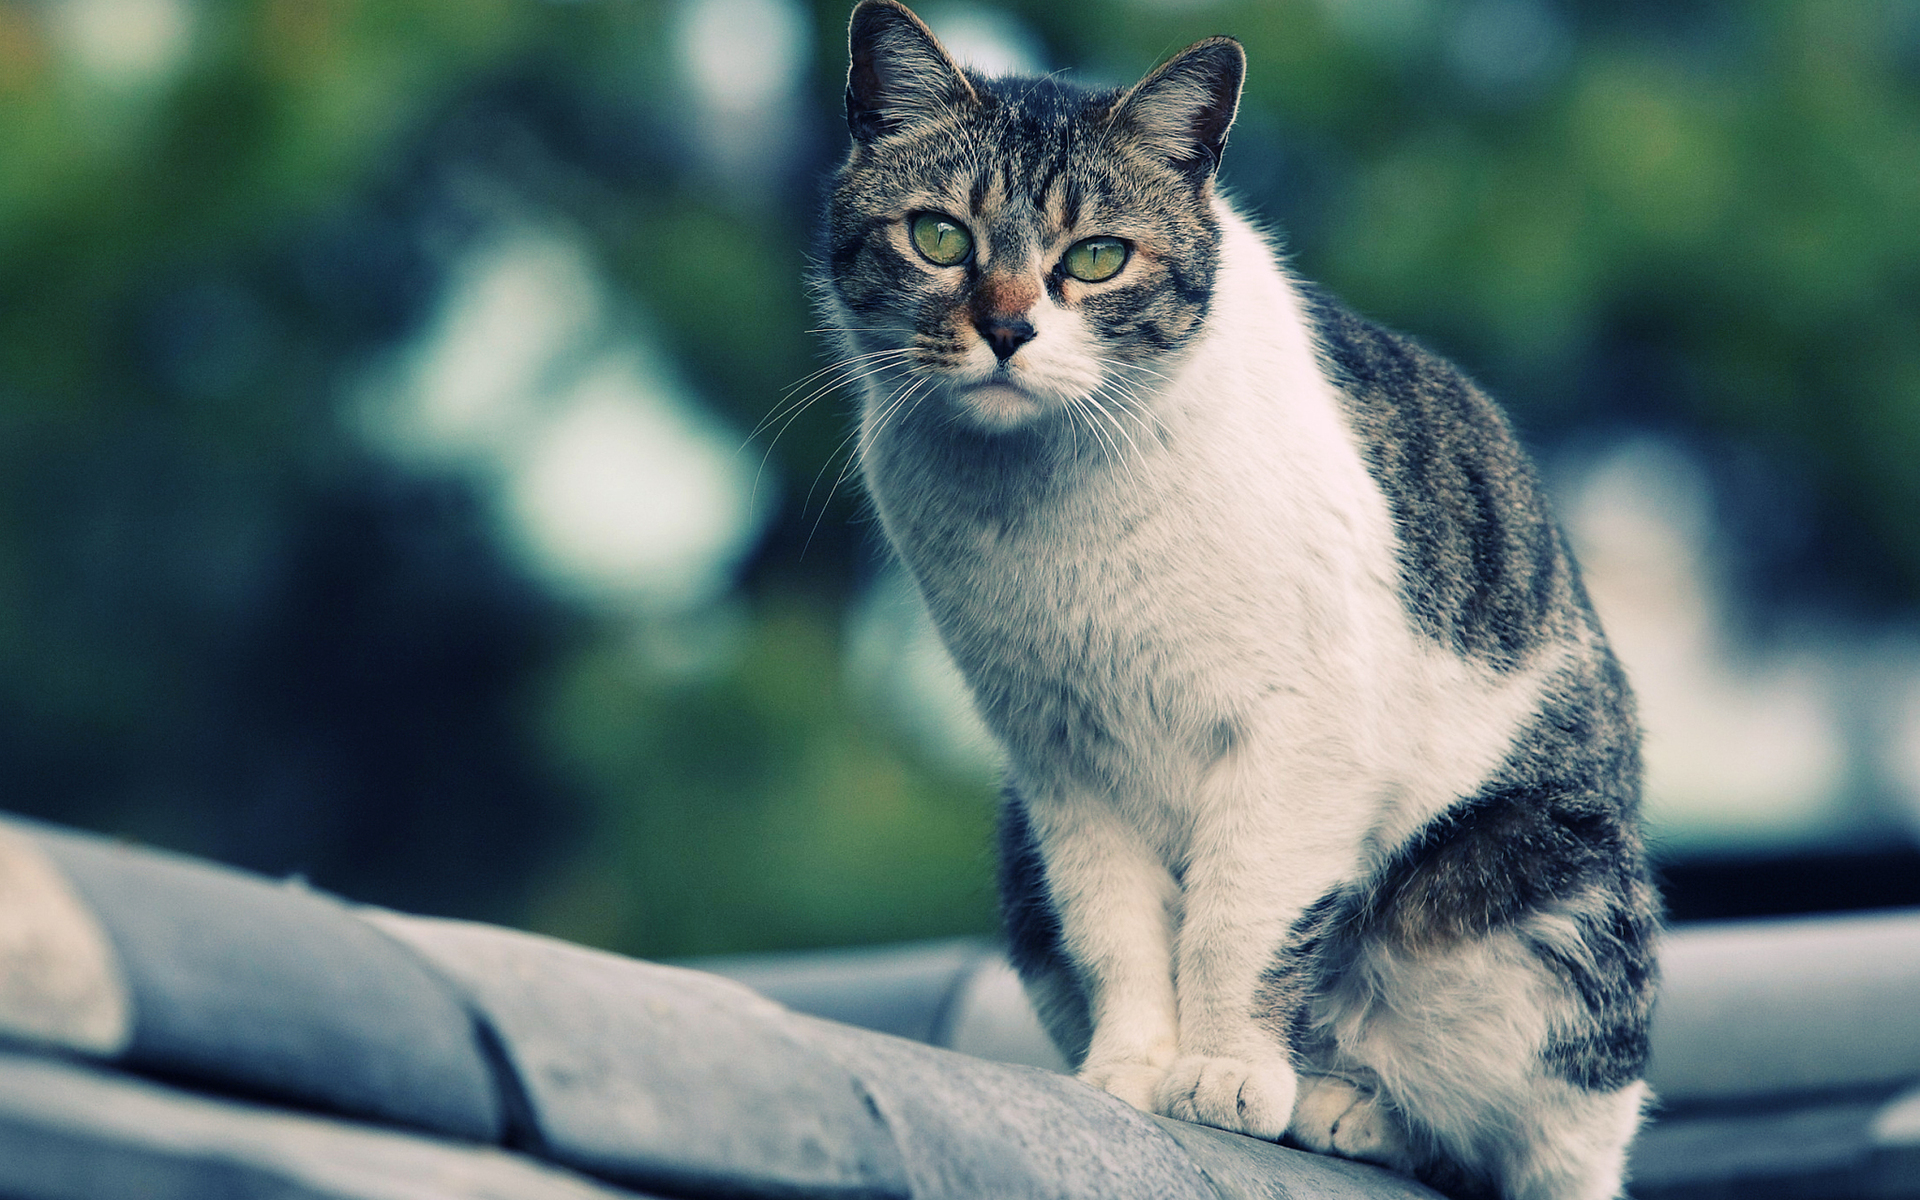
1337	1117
1250	1097
1134	1080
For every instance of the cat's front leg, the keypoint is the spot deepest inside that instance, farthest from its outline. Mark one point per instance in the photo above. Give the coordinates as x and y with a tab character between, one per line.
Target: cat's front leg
1245	889
1116	904
1231	1072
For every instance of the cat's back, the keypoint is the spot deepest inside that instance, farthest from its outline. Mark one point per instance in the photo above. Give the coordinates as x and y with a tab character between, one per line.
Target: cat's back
1377	459
1482	564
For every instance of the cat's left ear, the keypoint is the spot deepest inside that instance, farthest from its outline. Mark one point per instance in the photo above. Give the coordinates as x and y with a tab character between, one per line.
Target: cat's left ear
1183	110
898	74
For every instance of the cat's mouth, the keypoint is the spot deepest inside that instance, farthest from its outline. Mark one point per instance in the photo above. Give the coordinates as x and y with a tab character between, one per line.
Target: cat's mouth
999	403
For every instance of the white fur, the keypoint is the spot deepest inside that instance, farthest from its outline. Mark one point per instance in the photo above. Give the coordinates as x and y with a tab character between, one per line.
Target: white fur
1451	1042
1241	560
1337	1116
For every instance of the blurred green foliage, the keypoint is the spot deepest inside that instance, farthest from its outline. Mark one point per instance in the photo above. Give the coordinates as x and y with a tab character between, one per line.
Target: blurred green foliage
759	807
228	625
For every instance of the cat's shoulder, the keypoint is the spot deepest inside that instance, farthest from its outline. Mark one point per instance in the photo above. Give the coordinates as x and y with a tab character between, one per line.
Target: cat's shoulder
1484	566
1390	377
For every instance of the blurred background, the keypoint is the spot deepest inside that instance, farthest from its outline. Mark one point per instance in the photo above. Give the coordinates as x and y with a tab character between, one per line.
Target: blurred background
396	488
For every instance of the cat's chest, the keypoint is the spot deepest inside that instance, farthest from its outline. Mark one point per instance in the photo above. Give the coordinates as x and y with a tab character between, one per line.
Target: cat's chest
1063	575
1136	610
1077	593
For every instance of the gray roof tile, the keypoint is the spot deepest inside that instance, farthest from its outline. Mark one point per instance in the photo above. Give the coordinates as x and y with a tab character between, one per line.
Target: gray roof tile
908	991
1751	1008
279	991
69	1131
1241	1168
665	1077
969	1128
671	1080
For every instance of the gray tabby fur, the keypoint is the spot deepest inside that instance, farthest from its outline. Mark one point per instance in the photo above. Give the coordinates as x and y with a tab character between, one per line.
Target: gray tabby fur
1321	821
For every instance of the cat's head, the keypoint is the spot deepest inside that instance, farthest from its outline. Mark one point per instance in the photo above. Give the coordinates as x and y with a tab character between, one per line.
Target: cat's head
1014	248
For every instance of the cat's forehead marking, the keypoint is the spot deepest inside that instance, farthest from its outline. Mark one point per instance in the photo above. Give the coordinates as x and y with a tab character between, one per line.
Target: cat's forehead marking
988	195
1008	220
1072	194
977	195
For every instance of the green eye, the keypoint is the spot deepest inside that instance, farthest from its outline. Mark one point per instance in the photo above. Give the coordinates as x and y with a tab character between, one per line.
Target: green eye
1096	258
940	240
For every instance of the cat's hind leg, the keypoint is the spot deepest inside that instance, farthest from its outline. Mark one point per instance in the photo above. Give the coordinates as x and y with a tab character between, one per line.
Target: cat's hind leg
1572	1142
1516	1076
1569	1144
1334	1115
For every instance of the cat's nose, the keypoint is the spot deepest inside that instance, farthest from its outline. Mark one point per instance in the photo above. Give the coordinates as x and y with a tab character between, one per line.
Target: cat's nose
1005	334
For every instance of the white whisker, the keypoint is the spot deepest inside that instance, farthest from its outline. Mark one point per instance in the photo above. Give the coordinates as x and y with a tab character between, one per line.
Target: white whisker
785	414
850	377
893	406
1094	400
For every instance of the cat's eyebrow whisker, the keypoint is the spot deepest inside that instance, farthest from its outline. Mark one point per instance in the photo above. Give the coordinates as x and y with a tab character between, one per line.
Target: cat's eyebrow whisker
968	152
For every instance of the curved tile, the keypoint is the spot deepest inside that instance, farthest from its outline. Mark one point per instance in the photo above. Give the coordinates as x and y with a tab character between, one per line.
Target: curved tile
60	981
72	1130
664	1077
280	991
969	1128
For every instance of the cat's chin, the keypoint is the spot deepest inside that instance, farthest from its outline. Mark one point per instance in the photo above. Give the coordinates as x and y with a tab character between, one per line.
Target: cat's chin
998	406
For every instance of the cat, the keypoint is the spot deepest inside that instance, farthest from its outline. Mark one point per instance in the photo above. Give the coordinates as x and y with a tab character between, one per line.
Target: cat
1321	815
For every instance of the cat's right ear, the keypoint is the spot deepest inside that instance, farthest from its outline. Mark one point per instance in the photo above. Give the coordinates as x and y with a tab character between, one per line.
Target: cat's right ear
1184	109
899	75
